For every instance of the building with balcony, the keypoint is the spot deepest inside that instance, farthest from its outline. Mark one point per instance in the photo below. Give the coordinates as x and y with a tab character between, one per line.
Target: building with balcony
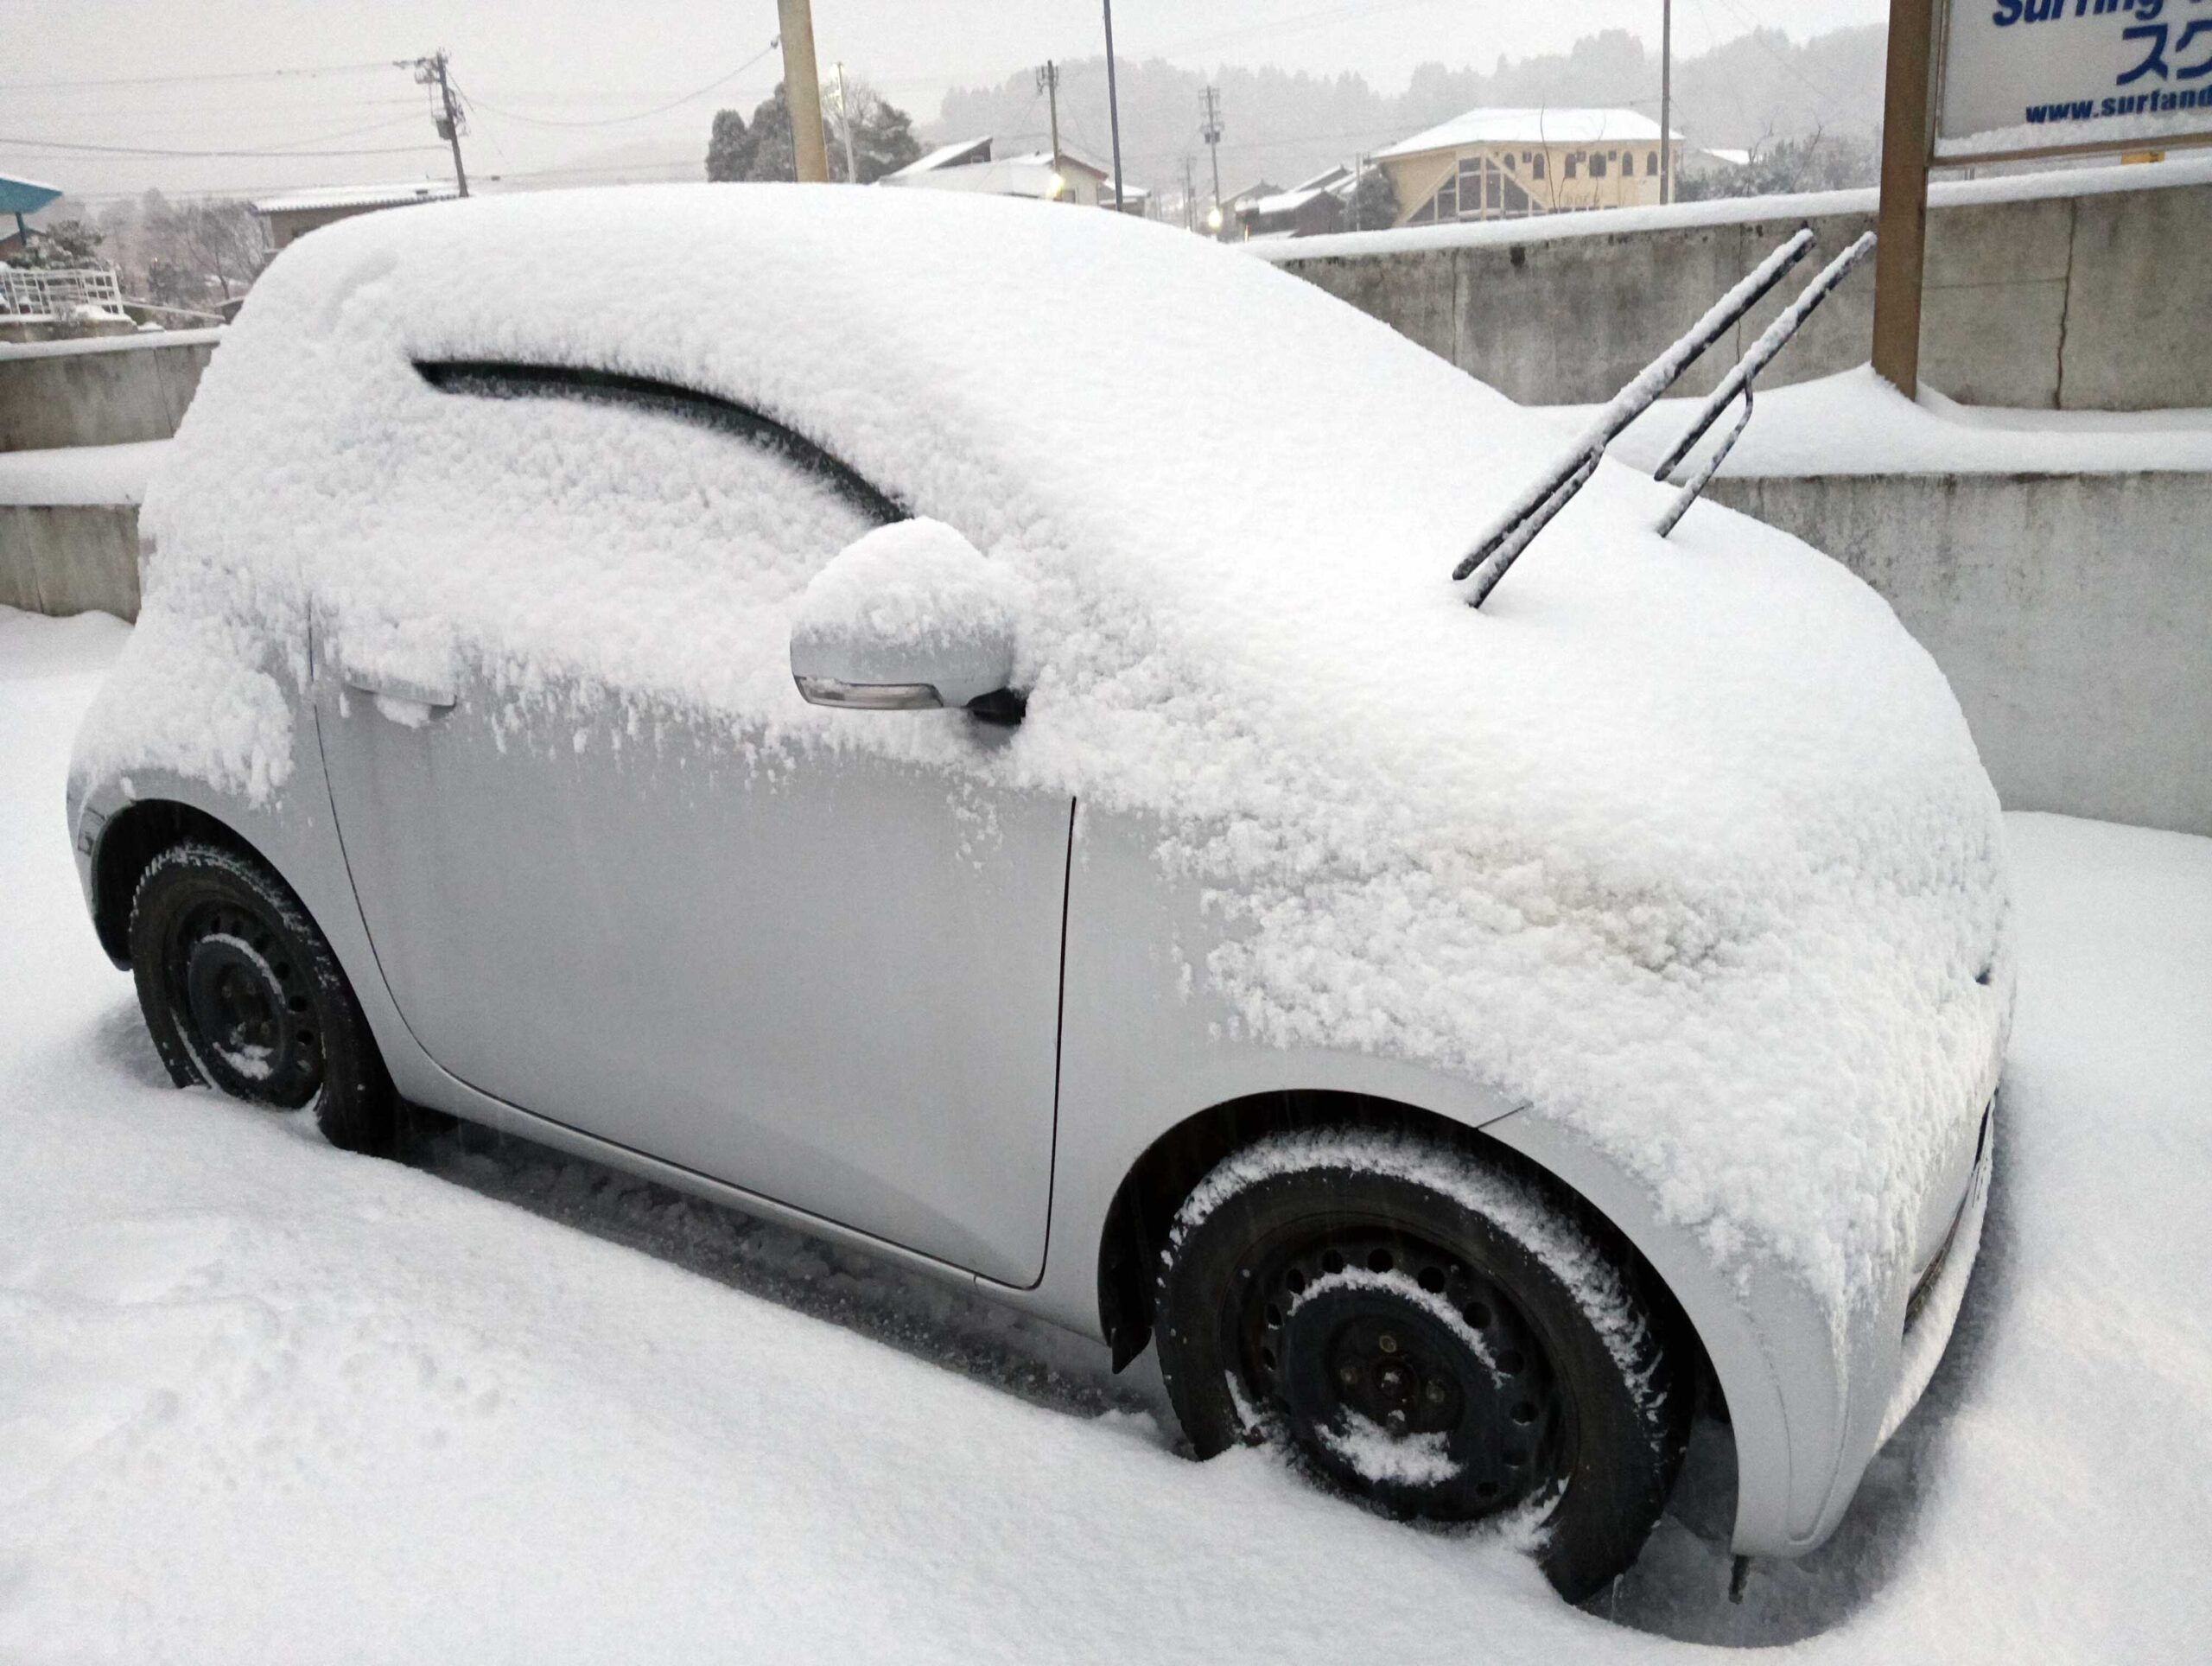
1503	165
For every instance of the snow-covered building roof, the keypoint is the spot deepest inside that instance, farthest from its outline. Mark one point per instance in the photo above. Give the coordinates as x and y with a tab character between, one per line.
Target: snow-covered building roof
316	199
1535	126
1333	180
1284	202
959	153
971	166
1068	159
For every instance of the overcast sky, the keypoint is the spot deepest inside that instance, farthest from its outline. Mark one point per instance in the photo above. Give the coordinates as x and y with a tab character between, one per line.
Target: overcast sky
530	64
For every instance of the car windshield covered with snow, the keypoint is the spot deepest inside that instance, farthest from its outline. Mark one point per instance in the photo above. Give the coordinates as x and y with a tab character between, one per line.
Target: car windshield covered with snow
481	572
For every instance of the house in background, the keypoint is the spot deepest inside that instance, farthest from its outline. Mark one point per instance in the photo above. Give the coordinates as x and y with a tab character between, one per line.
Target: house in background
968	165
1310	208
1503	165
297	212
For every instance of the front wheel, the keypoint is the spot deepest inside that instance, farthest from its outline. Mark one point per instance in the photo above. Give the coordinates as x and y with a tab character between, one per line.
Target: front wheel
241	993
1428	1334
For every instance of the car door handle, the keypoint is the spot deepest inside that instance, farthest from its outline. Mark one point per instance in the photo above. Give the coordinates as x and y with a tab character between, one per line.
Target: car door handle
382	686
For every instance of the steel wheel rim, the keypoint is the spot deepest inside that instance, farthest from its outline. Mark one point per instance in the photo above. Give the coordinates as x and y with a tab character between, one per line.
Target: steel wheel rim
1399	1372
243	1005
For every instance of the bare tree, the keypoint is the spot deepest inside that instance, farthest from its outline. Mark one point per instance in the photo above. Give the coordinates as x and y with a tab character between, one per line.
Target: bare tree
200	252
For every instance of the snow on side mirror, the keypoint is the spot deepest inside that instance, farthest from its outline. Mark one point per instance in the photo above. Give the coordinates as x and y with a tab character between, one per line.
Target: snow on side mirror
910	617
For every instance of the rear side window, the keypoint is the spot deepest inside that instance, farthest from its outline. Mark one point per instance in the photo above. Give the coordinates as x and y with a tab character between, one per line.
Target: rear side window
493	380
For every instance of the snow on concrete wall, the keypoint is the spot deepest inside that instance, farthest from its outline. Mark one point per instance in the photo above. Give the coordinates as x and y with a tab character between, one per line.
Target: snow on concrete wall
2083	290
70	558
106	391
2067	611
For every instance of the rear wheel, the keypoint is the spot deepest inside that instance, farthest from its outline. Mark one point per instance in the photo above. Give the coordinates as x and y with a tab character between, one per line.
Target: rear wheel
1427	1333
241	993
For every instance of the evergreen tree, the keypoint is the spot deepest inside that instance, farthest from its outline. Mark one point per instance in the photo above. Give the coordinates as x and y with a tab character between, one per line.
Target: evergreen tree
883	140
726	146
1374	201
69	245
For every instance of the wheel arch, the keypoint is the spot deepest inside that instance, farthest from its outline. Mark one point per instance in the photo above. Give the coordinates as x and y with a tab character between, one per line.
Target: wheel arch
1757	1342
1145	1203
129	841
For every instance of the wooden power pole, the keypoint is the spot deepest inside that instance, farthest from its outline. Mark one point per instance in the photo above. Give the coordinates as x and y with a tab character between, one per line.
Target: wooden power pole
802	91
1666	100
435	71
1900	226
1048	83
1113	106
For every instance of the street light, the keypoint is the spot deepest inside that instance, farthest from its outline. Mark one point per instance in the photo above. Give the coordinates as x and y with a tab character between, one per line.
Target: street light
1056	187
1213	218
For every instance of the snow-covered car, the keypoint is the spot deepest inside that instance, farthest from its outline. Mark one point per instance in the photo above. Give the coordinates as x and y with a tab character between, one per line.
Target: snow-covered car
946	721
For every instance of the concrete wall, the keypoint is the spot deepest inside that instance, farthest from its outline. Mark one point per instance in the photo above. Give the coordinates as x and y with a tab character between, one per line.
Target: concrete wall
70	558
2073	614
2097	299
99	392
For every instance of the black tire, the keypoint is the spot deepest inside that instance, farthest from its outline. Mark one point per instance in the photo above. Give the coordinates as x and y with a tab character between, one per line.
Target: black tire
1427	1333
243	994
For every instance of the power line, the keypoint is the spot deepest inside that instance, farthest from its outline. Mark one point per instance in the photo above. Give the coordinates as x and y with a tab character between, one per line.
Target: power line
1281	26
145	150
1758	38
616	121
168	80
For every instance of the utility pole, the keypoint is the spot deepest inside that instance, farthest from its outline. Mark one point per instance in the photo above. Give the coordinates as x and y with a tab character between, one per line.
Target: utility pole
1189	192
1048	83
1113	106
431	72
802	91
1358	173
1210	130
1666	100
845	121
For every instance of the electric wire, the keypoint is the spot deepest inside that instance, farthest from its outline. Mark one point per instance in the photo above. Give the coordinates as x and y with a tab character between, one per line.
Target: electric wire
617	121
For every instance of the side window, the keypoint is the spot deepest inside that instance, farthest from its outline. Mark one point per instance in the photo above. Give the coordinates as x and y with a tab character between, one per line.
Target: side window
503	381
558	528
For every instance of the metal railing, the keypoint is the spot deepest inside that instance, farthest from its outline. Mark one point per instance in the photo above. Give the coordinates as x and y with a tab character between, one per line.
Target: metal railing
1503	541
33	293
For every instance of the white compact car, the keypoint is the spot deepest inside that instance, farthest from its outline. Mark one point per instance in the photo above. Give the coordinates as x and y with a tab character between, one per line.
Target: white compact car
947	721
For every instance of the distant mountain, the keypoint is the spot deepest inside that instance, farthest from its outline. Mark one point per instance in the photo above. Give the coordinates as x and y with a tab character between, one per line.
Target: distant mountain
1281	127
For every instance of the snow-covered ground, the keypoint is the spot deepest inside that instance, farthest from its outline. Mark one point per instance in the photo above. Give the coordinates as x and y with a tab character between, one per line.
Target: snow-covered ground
262	1401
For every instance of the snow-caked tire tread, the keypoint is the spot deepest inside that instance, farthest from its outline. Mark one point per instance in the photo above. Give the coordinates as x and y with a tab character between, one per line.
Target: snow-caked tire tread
1604	1332
355	1107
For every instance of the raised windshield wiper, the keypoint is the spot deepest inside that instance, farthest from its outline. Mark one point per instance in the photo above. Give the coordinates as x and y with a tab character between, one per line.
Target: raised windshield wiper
1502	543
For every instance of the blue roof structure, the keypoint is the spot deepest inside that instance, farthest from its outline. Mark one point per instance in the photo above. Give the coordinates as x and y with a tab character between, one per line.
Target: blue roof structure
21	197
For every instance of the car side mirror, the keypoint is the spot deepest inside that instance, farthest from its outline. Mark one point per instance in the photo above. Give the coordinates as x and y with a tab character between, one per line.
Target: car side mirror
911	617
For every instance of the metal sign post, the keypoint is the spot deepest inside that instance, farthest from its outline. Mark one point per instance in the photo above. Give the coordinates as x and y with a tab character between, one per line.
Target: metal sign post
1901	224
2001	80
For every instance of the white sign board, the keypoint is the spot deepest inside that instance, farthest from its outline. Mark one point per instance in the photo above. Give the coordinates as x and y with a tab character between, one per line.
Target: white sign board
2023	76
